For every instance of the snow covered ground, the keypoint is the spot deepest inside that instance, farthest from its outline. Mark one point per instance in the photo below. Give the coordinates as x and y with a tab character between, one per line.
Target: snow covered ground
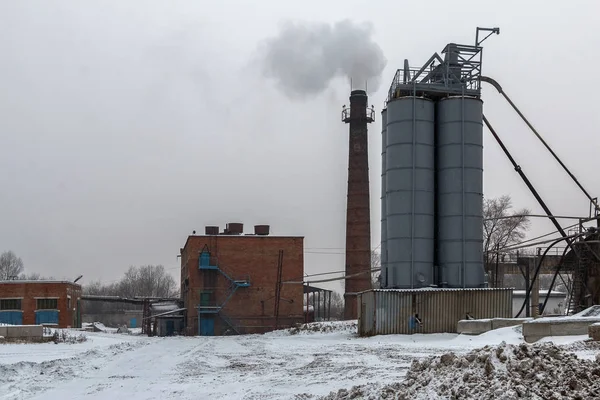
293	364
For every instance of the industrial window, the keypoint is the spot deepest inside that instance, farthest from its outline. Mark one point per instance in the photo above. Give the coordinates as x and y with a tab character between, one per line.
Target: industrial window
206	298
10	304
47	304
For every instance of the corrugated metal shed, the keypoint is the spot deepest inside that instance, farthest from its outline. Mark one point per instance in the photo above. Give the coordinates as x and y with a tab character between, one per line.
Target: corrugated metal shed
383	312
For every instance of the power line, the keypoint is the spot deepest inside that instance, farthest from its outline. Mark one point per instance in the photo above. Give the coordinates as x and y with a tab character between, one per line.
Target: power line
534	216
531	240
336	279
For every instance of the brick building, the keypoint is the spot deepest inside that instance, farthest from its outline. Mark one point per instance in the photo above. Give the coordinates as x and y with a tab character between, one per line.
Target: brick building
53	303
229	281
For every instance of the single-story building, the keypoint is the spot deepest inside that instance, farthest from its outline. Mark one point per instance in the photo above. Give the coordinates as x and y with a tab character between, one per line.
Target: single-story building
556	301
49	303
167	318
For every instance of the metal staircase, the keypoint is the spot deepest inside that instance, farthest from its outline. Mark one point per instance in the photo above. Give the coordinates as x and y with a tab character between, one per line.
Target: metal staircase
578	282
234	284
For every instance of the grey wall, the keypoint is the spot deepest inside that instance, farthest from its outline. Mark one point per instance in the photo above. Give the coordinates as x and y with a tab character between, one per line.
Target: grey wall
459	194
115	319
409	181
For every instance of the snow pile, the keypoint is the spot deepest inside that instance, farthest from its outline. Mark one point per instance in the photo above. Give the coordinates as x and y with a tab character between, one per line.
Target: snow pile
99	327
321	327
64	336
501	372
591	312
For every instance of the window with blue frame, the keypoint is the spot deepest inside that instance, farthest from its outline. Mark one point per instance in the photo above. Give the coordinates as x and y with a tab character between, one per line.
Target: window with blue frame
10	304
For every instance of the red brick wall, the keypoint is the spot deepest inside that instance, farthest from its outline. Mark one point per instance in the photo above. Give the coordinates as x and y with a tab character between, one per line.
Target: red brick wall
29	291
252	308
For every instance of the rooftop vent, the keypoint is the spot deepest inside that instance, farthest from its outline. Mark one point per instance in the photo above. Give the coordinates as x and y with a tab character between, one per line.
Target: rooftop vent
234	228
211	230
261	230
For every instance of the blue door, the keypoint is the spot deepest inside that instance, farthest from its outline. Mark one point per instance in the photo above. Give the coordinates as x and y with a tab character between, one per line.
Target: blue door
207	326
11	317
133	323
46	317
170	327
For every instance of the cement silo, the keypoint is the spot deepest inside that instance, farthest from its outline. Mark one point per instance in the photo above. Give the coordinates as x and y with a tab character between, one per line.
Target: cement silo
459	192
383	276
409	200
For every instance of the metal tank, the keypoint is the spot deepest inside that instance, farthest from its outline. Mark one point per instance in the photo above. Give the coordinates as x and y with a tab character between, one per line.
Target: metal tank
459	193
383	275
409	196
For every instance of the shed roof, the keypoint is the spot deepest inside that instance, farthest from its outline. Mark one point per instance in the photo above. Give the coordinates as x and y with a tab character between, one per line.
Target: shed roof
313	289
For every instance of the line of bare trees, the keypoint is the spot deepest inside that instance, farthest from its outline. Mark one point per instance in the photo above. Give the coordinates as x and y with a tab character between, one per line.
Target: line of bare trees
143	281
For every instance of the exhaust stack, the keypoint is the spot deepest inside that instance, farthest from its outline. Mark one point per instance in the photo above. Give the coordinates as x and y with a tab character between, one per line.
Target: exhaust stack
358	211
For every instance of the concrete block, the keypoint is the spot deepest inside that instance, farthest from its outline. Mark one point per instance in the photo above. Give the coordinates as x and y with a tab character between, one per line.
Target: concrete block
25	332
3	330
498	323
594	331
544	327
473	326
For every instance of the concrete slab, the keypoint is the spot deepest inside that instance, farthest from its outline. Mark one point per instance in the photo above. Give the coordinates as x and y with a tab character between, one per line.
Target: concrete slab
24	332
474	326
3	330
594	331
567	326
479	326
498	323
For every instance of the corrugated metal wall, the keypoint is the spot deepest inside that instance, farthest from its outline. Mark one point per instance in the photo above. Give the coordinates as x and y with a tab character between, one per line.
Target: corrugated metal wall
410	197
459	192
383	312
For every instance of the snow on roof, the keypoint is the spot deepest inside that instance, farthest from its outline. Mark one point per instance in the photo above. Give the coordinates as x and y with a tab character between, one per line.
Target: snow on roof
590	315
436	289
38	281
591	312
542	292
164	307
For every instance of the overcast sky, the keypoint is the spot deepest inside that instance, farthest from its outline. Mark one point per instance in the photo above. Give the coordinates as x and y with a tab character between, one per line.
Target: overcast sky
126	125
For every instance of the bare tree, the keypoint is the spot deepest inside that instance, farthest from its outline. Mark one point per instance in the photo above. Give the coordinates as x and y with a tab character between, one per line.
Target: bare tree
144	281
502	227
34	276
11	266
375	264
321	302
147	281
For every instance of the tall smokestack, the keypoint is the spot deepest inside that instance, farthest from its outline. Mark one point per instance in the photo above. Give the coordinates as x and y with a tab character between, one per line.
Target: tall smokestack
358	216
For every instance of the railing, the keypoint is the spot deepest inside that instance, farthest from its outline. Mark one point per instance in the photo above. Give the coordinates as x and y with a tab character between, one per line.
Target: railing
460	68
229	322
347	116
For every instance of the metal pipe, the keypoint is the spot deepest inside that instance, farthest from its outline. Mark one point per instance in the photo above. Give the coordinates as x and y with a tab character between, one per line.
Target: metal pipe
525	179
495	84
530	287
553	281
541	216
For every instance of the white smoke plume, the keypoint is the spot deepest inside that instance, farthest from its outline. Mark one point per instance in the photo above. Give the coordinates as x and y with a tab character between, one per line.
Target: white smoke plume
305	57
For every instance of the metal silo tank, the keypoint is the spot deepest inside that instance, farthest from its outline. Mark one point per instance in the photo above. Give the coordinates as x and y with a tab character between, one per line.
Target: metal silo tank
383	276
410	192
459	194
